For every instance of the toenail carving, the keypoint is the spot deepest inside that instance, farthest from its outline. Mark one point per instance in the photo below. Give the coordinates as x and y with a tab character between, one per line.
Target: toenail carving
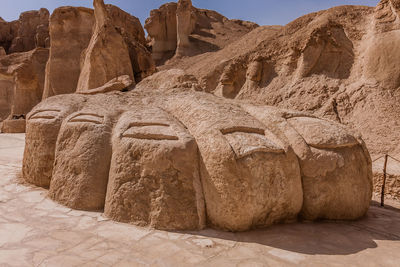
150	131
87	117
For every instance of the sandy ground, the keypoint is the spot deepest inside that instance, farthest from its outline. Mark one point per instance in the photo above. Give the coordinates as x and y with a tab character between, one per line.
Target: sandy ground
35	231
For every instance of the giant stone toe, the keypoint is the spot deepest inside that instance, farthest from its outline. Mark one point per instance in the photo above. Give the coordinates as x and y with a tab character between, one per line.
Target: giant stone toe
187	160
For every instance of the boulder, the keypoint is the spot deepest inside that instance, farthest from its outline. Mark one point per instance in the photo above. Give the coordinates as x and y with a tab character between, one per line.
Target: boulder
83	144
13	126
117	84
248	179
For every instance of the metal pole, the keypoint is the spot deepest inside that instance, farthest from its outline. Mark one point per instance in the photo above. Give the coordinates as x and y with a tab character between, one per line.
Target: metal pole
384	181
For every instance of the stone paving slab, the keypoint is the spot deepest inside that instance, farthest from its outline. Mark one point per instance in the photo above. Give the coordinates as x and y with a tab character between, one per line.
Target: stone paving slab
35	231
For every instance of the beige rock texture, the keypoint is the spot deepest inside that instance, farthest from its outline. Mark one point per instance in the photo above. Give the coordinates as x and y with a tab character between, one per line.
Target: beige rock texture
162	30
28	32
107	55
331	159
161	187
43	126
13	125
248	179
117	84
183	160
2	51
22	58
133	33
72	26
22	83
338	64
199	31
7	32
169	157
185	24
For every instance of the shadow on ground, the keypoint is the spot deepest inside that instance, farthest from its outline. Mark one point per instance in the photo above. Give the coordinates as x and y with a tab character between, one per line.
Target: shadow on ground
324	238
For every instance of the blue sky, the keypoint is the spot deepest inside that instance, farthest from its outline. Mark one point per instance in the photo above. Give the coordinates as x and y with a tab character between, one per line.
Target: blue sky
263	12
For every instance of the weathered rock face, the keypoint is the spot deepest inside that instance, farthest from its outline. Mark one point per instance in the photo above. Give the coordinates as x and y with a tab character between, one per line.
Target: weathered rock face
331	161
21	72
243	169
161	27
70	33
32	32
27	33
185	24
183	30
161	187
184	160
118	84
133	33
2	51
8	31
74	25
383	53
43	126
22	80
6	96
107	55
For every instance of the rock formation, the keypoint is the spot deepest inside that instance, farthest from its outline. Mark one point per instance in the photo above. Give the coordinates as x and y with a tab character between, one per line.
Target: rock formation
107	55
181	29
185	24
22	61
75	25
72	26
162	30
21	86
27	33
183	160
133	33
117	84
167	156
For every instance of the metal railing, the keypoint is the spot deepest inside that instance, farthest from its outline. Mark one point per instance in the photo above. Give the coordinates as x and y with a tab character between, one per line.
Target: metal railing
386	156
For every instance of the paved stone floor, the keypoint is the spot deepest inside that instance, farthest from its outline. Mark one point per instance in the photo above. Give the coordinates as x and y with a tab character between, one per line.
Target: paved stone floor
34	231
